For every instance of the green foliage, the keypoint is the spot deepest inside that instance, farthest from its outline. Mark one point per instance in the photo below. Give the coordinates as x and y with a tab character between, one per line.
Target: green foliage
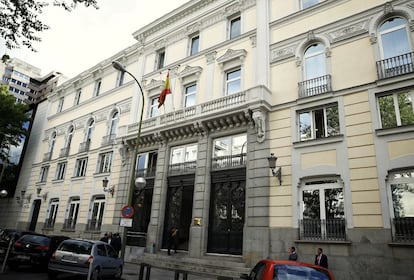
19	23
13	116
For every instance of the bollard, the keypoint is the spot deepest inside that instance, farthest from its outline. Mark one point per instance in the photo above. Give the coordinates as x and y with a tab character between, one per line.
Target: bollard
7	254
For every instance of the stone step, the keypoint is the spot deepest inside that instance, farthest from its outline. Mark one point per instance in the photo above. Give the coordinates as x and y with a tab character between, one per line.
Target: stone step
217	266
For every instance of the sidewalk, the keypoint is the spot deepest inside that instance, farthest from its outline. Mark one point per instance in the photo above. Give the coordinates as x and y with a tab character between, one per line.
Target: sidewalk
131	272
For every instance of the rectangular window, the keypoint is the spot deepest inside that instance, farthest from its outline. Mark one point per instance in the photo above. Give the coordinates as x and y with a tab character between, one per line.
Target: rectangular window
309	3
44	170
97	212
160	59
120	78
233	81
51	217
183	154
73	211
190	96
80	168
396	109
194	45
146	164
77	97
60	105
104	162
60	171
97	88
235	27
319	122
154	107
229	151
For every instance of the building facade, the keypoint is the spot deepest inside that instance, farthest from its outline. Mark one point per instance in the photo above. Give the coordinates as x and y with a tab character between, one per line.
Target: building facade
324	86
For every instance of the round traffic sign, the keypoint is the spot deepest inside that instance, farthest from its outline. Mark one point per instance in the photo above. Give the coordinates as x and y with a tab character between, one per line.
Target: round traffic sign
127	211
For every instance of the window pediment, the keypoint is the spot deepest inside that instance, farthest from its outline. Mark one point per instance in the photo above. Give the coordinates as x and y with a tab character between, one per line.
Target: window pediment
153	84
232	55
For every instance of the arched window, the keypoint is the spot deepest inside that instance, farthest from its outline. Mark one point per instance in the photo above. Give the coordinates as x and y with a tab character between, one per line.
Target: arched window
52	143
114	124
69	137
394	37
314	61
90	130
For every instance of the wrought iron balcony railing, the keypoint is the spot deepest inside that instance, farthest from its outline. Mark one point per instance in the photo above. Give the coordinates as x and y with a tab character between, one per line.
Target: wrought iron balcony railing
84	146
403	229
229	161
182	168
93	225
64	152
395	66
315	229
315	86
108	139
49	224
69	224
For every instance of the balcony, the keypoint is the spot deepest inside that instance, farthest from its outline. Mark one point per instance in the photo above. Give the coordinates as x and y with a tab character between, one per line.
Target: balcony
316	86
93	225
69	224
49	224
47	156
64	152
322	230
145	173
182	168
84	146
395	66
108	140
233	161
403	230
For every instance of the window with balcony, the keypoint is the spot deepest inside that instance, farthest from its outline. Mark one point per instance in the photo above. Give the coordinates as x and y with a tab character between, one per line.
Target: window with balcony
194	44
51	214
72	213
396	109
160	59
147	164
320	122
80	167
153	110
229	151
104	162
44	170
64	152
315	78
96	214
233	81
84	146
97	88
183	159
322	211
52	141
402	195
190	95
78	97
396	50
60	171
234	26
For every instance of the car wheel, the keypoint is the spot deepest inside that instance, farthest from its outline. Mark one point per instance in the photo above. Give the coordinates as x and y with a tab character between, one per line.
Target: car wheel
51	275
118	273
96	274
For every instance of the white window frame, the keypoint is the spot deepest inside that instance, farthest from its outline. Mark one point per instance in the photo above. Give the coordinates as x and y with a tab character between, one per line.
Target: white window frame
396	28
97	87
231	81
77	97
99	202
304	5
160	59
81	167
185	153
105	162
195	38
44	170
397	178
396	106
190	94
114	123
120	78
233	141
308	56
60	104
60	170
89	131
231	26
153	108
73	212
52	212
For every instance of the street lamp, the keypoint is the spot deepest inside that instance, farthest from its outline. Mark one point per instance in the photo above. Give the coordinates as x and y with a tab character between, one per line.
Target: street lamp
118	66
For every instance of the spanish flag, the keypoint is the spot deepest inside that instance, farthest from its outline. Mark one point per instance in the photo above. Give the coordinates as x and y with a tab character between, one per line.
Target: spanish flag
166	90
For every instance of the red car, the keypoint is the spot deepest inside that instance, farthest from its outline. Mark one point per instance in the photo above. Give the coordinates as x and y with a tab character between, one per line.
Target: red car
284	270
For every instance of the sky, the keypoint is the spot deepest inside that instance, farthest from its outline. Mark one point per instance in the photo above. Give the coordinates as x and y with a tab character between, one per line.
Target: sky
79	40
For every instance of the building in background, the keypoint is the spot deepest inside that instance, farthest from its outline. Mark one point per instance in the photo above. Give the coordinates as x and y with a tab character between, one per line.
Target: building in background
325	86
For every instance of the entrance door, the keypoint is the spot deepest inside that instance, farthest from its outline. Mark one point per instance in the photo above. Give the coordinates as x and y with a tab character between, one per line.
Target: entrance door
179	213
226	217
35	215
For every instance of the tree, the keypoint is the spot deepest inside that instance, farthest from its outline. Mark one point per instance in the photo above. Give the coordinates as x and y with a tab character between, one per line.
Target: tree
13	116
19	23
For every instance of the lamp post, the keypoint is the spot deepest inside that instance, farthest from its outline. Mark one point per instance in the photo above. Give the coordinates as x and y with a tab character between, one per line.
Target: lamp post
118	66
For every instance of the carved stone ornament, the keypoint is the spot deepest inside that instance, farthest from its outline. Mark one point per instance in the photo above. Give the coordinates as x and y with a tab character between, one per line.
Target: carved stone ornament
153	84
211	57
388	8
231	55
259	123
123	151
282	53
188	71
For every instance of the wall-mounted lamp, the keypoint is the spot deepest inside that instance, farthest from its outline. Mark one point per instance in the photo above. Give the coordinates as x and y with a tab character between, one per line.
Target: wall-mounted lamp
105	187
3	193
272	165
23	198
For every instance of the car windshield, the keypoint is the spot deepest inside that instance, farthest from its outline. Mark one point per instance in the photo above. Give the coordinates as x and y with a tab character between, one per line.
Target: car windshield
37	239
78	247
296	272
